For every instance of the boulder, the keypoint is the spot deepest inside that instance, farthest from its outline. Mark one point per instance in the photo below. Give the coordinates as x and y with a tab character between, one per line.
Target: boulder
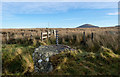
42	54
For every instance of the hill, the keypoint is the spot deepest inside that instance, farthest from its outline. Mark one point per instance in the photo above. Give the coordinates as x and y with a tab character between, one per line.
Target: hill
87	26
117	26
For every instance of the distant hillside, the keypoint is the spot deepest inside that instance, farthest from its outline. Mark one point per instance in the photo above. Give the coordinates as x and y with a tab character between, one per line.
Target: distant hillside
117	26
87	26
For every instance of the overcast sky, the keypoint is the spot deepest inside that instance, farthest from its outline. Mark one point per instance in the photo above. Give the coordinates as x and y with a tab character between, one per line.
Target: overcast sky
58	14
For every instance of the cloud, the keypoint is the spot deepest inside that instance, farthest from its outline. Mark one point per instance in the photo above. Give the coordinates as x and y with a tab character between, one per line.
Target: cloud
52	7
10	10
59	0
33	8
114	13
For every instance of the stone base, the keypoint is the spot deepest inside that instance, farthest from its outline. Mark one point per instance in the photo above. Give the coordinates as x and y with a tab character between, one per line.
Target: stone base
43	53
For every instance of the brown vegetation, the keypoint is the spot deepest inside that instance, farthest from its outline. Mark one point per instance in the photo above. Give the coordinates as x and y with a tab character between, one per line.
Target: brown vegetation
91	54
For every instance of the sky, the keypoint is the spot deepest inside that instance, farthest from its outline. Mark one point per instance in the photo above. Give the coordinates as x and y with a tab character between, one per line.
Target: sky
58	14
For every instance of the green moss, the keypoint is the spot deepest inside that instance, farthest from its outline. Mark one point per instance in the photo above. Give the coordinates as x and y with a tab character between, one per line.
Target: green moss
104	62
89	63
14	61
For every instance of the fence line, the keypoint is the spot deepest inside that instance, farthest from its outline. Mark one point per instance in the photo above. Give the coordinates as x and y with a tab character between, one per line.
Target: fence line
47	34
84	38
44	35
13	35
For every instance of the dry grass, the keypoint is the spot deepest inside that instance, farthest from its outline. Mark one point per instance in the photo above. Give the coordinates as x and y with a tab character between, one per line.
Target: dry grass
93	57
107	39
36	32
16	60
86	63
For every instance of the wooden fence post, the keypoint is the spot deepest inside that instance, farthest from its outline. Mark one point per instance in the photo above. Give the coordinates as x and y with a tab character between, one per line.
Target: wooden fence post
48	34
56	37
54	33
7	37
41	36
31	36
16	36
92	36
13	35
84	37
22	35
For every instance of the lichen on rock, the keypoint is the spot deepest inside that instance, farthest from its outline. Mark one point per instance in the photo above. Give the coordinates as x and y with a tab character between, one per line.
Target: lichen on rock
42	54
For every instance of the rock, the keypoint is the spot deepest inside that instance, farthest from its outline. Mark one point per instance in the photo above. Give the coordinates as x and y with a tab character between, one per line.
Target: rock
42	54
40	60
47	59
